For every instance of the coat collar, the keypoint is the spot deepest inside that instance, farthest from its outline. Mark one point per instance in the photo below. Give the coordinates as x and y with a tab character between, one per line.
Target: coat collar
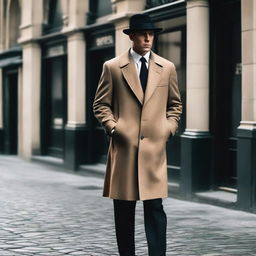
129	72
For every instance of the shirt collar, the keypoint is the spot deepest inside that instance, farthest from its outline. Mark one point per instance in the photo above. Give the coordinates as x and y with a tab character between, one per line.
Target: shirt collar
136	57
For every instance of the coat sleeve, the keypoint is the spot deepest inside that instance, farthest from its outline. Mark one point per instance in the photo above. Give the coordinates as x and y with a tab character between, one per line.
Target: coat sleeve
102	105
174	105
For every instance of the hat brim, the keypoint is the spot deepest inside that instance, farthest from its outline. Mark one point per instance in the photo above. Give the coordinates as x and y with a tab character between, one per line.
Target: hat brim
129	31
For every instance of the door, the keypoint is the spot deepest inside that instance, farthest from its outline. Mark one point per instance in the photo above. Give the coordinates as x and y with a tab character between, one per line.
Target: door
98	140
55	106
10	112
172	46
226	91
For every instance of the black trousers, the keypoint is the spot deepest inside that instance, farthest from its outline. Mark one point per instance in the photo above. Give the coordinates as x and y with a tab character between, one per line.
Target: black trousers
155	226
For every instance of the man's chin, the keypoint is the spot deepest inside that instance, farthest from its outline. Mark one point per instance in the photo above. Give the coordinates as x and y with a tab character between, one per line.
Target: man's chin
147	49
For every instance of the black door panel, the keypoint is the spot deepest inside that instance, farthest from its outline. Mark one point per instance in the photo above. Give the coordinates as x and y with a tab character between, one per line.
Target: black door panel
97	138
225	89
55	106
10	112
172	46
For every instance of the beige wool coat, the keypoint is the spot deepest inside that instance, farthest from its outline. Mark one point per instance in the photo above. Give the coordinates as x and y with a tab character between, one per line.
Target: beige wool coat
136	165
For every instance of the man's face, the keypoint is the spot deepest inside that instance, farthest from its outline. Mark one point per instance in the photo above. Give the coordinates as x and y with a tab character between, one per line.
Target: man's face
142	41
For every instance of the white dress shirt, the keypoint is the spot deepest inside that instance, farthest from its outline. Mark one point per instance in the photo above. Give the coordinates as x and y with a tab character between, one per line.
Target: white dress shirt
136	57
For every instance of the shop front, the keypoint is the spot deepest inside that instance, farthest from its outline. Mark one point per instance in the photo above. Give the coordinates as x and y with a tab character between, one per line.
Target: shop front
10	63
225	91
101	47
54	99
171	44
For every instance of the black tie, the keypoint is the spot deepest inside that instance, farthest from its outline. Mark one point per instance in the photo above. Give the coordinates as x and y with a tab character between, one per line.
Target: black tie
143	73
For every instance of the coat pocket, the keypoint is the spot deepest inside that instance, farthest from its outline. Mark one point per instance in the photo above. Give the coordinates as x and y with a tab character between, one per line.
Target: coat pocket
119	134
172	126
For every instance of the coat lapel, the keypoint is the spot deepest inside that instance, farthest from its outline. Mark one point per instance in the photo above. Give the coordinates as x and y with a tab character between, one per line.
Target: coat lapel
130	74
154	75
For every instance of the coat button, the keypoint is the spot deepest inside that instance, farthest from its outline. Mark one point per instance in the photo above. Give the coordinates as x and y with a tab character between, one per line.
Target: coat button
142	137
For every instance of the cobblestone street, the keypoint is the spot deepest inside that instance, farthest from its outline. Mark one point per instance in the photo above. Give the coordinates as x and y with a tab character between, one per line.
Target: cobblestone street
48	212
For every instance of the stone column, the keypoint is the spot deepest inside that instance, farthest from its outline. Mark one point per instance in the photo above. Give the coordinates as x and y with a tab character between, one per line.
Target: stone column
77	13
31	27
246	158
75	130
76	79
30	99
196	142
122	11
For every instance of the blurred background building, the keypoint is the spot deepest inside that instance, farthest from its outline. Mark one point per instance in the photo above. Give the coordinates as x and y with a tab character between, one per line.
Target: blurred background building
51	56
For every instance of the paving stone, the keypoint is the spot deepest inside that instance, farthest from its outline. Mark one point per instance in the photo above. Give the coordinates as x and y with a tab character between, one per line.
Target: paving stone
47	212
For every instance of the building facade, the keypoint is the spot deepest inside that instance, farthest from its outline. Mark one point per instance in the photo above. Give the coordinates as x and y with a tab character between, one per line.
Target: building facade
51	56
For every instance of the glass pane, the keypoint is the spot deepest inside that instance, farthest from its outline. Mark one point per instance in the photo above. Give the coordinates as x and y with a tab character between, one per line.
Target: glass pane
56	12
104	8
99	8
171	46
57	92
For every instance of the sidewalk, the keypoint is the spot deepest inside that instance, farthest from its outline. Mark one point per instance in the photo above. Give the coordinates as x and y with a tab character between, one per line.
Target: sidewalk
47	212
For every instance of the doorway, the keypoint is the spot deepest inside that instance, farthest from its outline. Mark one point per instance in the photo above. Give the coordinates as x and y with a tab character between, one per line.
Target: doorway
10	107
98	140
54	106
226	90
172	45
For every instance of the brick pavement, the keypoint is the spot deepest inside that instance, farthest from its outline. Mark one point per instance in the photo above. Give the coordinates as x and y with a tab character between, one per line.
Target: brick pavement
48	212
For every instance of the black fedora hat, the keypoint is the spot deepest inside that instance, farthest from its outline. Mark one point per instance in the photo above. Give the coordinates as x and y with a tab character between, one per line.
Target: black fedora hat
140	22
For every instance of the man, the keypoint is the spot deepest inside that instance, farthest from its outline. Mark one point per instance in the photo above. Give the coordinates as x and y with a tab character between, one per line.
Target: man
138	103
